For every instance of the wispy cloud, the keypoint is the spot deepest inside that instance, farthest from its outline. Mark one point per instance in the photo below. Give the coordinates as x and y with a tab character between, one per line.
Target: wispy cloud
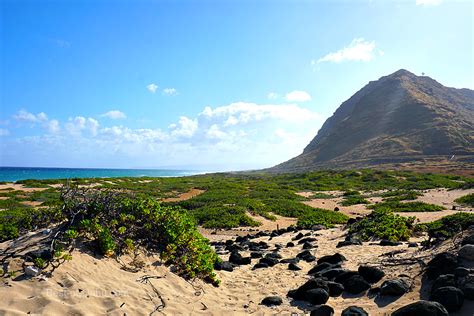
428	2
273	95
170	91
152	87
4	132
297	96
358	50
114	115
26	116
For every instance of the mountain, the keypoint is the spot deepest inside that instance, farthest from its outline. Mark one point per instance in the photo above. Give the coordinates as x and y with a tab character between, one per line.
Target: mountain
400	119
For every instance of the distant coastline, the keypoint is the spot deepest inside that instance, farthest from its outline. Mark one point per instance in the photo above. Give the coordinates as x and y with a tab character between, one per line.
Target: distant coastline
11	174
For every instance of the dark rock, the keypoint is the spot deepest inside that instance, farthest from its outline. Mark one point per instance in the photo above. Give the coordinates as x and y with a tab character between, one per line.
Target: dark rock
273	255
352	242
290	244
385	242
336	209
293	267
412	244
229	242
304	255
290	260
320	267
346	274
263	245
469	240
269	261
332	273
442	281
308	245
260	265
396	287
335	289
468	290
298	236
322	310
299	293
316	296
450	297
371	274
306	240
336	258
256	254
354	311
422	308
461	272
318	227
236	258
442	263
356	284
272	300
225	266
466	252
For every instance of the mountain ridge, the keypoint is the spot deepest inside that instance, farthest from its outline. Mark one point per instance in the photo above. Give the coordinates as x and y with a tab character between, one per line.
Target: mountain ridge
398	118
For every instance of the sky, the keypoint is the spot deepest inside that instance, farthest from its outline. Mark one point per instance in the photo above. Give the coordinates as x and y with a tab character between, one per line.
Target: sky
205	85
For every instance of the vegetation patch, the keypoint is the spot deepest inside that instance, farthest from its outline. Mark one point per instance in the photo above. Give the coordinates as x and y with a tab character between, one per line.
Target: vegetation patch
400	195
353	198
448	226
323	217
466	200
383	224
397	206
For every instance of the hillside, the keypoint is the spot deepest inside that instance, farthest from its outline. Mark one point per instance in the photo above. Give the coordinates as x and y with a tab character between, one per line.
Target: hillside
399	119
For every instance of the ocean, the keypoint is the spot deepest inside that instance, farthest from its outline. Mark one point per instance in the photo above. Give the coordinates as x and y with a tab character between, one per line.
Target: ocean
11	174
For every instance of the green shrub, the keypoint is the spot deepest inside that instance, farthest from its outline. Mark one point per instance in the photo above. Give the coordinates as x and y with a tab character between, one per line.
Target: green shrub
449	225
383	224
466	200
400	195
321	217
397	206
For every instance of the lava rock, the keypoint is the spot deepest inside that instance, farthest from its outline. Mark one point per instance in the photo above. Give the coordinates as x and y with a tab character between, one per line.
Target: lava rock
298	236
422	308
273	255
44	254
260	265
469	240
336	258
442	281
335	289
342	277
371	274
322	310
316	296
412	244
461	272
354	311
307	245
385	242
290	260
256	254
290	244
306	240
225	266
466	252
352	242
442	263
299	293
450	297
272	300
356	284
396	287
269	261
293	267
236	258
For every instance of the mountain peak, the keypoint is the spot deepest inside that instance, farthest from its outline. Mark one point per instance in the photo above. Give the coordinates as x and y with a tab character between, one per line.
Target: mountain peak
400	117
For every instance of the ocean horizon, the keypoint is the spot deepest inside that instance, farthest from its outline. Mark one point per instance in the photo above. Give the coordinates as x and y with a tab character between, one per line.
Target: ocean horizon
12	174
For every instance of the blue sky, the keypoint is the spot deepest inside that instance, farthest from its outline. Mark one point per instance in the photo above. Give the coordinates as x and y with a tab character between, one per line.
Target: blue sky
214	85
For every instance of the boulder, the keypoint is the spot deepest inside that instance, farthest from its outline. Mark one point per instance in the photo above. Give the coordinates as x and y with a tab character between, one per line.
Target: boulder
442	281
342	277
469	240
422	308
352	242
306	256
450	297
354	311
299	293
290	244
290	260
308	245
269	261
298	236
336	258
385	242
321	267
467	252
396	287
260	265
316	296
236	258
274	255
272	300
461	272
225	266
322	310
371	274
468	290
335	289
256	254
293	267
442	263
356	284
306	240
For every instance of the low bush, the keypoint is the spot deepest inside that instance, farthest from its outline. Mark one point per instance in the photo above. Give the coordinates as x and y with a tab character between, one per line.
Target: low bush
466	200
397	206
448	226
400	195
321	217
353	198
383	224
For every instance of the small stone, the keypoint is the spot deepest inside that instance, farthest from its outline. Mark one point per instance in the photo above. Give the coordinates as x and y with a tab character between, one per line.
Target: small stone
354	311
272	300
32	271
293	267
322	310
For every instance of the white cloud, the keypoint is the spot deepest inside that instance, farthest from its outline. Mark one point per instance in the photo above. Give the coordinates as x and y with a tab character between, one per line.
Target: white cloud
4	132
53	127
428	2
152	87
114	115
170	91
120	134
215	133
79	123
186	127
273	95
243	113
358	50
26	116
297	96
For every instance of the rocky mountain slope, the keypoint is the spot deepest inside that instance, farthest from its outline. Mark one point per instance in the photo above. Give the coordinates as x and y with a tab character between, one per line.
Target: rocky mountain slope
399	119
